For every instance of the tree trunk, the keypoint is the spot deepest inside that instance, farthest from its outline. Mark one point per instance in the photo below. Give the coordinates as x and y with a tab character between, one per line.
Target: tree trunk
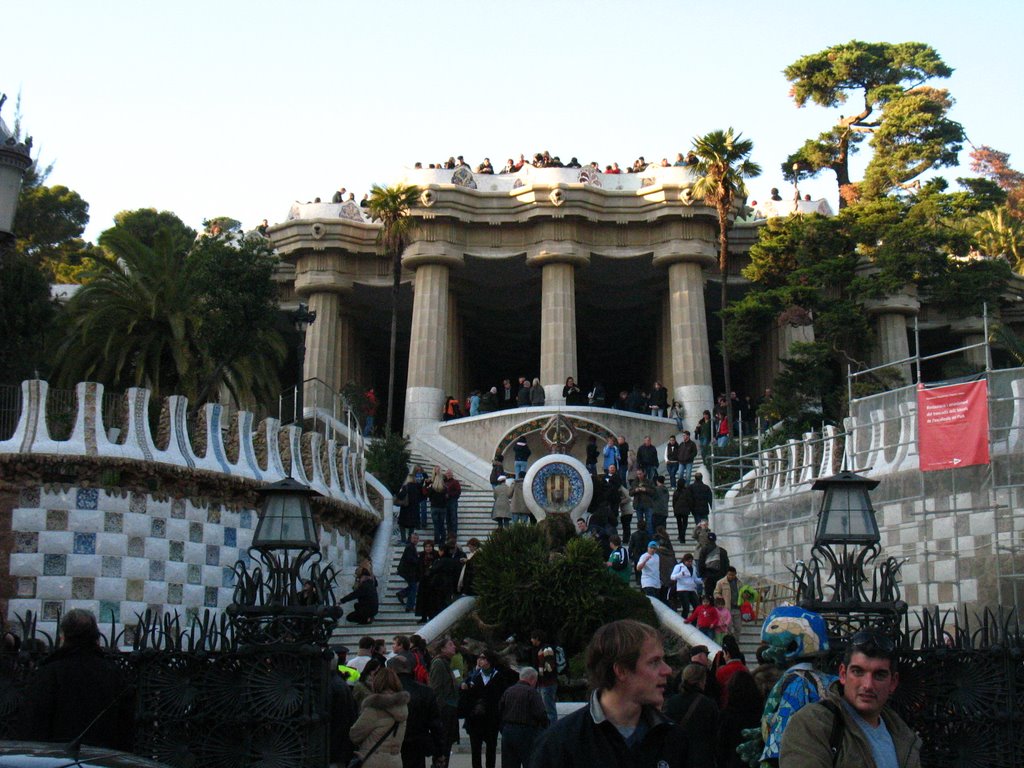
396	269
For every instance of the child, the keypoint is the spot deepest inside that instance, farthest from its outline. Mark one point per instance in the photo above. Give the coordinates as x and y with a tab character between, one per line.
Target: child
705	616
723	626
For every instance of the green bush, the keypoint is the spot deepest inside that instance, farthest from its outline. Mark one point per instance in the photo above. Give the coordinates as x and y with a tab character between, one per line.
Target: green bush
523	585
388	460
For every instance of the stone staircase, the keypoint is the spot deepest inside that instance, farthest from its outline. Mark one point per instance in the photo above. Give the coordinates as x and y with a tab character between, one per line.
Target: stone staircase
474	522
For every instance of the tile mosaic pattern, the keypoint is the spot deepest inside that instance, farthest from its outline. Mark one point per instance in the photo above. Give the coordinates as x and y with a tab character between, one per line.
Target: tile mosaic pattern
118	554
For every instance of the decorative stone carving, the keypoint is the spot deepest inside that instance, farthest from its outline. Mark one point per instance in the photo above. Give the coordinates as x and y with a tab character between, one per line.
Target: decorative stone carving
557	196
590	176
557	484
463	177
351	211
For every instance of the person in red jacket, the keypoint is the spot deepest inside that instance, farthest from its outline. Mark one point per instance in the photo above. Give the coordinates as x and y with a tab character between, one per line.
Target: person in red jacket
371	411
705	616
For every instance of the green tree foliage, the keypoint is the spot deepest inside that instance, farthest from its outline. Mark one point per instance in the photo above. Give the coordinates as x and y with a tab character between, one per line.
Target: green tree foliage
388	460
723	163
26	314
907	120
178	322
390	206
144	223
523	585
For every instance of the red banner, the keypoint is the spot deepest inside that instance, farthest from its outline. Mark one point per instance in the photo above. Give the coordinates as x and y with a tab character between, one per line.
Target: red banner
952	425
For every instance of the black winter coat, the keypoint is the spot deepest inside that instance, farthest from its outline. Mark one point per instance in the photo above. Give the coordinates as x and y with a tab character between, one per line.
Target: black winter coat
70	688
424	731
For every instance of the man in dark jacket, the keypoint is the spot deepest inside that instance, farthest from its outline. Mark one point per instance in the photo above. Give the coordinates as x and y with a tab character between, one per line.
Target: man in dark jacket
523	717
343	713
424	731
682	507
76	684
365	595
697	715
701	495
647	458
623	724
713	564
687	454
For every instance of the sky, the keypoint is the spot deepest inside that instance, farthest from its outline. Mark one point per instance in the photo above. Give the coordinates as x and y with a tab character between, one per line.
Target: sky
241	108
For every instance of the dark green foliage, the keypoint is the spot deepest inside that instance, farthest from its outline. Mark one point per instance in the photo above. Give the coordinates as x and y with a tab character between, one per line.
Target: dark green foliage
523	585
26	313
388	460
144	224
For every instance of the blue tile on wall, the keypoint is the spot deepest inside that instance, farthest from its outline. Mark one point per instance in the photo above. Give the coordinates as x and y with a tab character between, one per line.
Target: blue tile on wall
178	509
195	533
111	567
113	522
87	498
85	544
56	519
157	527
210	597
195	574
108	609
212	554
230	537
156	570
55	565
174	592
245	518
26	542
176	551
227	577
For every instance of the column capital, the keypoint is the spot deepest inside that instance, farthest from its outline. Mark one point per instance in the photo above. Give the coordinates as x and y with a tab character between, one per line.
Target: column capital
694	251
423	252
554	252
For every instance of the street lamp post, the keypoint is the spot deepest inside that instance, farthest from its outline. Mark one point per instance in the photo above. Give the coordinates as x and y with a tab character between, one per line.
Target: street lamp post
15	160
846	539
302	318
288	597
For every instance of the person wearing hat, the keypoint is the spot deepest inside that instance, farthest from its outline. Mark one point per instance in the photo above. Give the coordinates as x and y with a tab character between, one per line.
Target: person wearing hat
424	731
713	563
350	674
649	568
501	512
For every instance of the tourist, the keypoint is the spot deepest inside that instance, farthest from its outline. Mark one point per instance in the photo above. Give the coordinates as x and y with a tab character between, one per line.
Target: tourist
647	458
520	512
427	558
712	564
704	616
676	412
479	703
452	409
365	202
452	492
642	493
682	507
723	626
467	575
870	733
649	568
522	716
571	393
409	570
680	161
262	228
734	662
521	453
442	681
523	395
543	659
379	731
536	393
626	516
474	403
424	480
596	396
592	453
742	710
684	576
623	447
497	469
702	498
338	197
672	460
666	563
365	596
610	455
510	166
659	401
437	496
78	687
489	401
697	715
501	512
618	560
722	439
408	502
364	652
687	454
507	395
344	711
424	732
622	725
659	508
728	588
485	166
704	432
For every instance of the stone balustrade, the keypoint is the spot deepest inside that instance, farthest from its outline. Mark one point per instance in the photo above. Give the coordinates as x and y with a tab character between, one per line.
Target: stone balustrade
880	438
264	452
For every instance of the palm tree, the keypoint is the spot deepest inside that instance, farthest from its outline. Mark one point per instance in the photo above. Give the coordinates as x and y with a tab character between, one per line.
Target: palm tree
723	162
145	319
390	206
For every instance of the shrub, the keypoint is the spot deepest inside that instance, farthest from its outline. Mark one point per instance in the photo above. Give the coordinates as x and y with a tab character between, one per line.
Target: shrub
388	460
523	585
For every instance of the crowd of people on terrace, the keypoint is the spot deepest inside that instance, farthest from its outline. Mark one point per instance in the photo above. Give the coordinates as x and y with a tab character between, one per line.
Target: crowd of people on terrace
547	160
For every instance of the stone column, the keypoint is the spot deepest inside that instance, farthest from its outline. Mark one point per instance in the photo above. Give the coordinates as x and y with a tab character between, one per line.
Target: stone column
971	331
347	352
428	347
557	316
691	355
665	347
321	361
891	315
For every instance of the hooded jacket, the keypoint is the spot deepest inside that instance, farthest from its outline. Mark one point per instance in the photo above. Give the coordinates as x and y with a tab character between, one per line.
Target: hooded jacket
380	712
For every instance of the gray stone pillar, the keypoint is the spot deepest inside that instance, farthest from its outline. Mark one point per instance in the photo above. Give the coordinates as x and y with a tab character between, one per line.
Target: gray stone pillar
428	347
321	369
691	356
347	352
557	316
971	331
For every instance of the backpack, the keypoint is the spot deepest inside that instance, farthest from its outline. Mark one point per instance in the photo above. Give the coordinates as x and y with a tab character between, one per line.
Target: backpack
561	662
419	672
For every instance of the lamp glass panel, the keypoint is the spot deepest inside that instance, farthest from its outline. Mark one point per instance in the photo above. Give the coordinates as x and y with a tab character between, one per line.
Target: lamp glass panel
285	519
847	513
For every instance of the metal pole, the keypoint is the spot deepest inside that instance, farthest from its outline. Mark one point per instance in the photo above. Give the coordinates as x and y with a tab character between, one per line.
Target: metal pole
917	349
988	346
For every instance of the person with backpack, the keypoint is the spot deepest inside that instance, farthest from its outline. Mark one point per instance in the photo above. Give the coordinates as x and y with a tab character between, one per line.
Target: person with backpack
452	491
547	672
618	561
697	715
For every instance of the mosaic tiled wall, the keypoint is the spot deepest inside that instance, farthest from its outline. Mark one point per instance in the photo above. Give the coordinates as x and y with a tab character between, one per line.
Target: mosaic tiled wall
117	554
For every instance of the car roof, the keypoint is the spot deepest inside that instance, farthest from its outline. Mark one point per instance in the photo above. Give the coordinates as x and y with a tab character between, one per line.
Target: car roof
35	754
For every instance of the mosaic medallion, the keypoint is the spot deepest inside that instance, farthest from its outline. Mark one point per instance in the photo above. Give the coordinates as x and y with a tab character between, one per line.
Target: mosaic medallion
558	484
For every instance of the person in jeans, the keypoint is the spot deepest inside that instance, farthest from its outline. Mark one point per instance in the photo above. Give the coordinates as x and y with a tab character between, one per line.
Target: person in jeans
547	670
522	718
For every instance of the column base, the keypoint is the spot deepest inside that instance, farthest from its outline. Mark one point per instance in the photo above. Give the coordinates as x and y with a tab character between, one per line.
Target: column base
423	405
696	398
553	394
